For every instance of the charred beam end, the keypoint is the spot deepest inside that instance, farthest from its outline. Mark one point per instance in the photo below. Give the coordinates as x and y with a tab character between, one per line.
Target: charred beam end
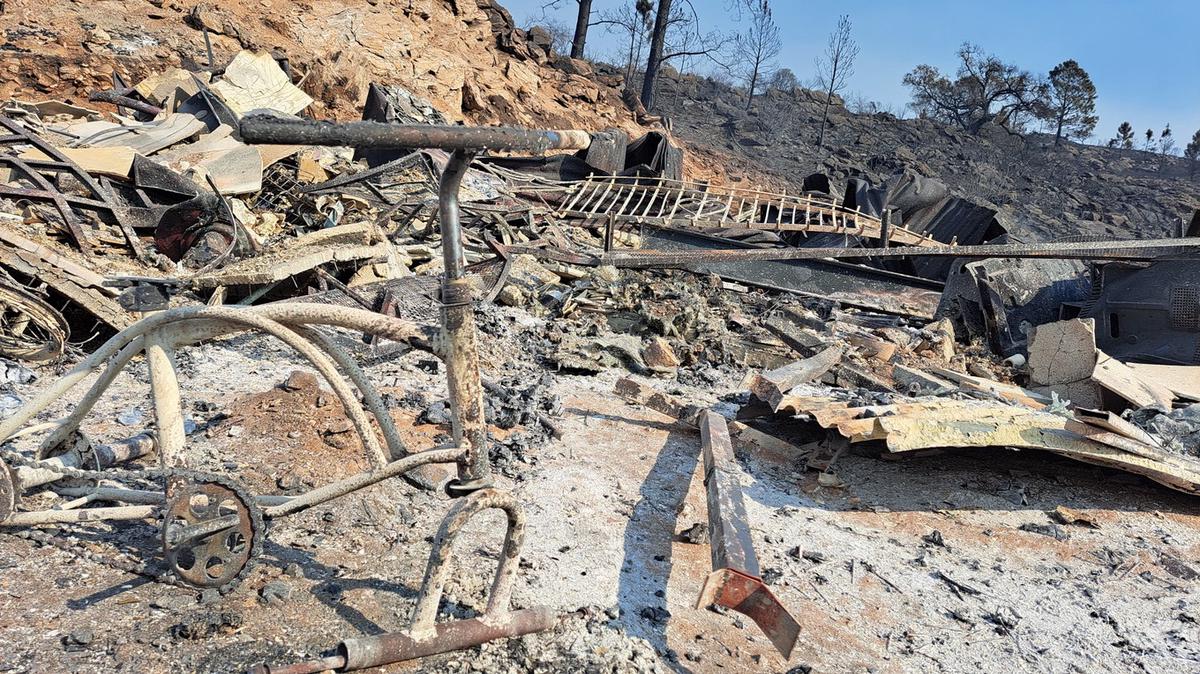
736	581
278	131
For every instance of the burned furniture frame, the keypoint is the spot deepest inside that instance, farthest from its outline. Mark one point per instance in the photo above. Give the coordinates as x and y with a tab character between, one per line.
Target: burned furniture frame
211	527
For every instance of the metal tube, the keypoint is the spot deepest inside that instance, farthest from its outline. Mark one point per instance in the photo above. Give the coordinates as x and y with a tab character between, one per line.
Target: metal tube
438	569
450	636
124	102
164	385
448	213
1129	250
108	455
262	129
136	512
458	326
140	496
356	482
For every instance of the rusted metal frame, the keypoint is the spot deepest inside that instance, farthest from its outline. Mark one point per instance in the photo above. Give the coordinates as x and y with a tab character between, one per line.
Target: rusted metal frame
210	322
736	580
425	636
62	163
115	513
261	129
362	480
47	192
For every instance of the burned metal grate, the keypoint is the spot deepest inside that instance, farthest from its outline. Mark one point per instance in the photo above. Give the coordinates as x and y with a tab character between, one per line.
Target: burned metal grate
1185	309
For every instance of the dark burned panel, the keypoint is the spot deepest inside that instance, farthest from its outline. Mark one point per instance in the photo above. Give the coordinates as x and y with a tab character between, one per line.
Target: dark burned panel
1148	313
952	220
851	284
994	299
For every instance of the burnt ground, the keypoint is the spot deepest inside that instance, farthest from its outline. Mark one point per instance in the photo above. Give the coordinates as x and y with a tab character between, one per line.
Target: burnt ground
948	562
1044	192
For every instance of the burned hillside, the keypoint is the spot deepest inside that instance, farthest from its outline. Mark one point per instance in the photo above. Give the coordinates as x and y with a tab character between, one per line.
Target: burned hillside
315	364
1044	192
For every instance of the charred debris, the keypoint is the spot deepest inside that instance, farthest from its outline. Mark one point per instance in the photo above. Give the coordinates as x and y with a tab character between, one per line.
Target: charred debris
896	319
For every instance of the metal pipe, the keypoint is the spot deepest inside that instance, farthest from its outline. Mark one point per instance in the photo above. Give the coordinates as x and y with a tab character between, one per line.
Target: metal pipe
164	386
450	636
135	512
107	455
458	326
125	102
448	213
356	482
262	129
143	497
1129	250
438	569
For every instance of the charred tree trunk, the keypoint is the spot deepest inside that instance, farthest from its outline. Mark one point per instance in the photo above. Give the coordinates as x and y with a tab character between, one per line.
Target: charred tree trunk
753	83
581	28
656	50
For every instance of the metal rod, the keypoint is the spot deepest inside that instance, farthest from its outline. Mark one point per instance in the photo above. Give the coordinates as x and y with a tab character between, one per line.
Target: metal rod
356	482
1130	250
280	131
107	455
124	102
135	512
458	326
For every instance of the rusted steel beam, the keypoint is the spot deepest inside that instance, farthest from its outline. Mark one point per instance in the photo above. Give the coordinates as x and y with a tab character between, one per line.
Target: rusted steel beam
279	131
736	580
100	199
1125	249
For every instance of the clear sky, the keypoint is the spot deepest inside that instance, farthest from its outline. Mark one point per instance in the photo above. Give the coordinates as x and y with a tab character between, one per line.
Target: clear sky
1144	57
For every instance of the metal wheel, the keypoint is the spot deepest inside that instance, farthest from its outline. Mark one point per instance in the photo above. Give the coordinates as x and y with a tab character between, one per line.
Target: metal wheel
209	532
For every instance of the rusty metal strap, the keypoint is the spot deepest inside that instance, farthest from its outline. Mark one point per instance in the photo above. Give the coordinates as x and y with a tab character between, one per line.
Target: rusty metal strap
735	581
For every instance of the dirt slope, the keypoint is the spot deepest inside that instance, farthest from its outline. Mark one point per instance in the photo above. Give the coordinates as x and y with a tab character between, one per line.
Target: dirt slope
463	55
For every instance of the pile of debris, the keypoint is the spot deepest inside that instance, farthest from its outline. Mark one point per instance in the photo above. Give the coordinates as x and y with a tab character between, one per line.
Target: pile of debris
894	318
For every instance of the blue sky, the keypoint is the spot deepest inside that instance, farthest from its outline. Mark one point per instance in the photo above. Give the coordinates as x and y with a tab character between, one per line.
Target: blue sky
1144	57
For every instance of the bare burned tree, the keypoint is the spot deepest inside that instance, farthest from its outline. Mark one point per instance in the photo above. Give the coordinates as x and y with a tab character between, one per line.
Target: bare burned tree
835	68
633	23
755	49
1192	154
689	41
583	19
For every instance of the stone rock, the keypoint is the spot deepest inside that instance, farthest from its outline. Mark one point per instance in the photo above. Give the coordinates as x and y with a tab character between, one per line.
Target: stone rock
1062	352
300	380
658	355
275	592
